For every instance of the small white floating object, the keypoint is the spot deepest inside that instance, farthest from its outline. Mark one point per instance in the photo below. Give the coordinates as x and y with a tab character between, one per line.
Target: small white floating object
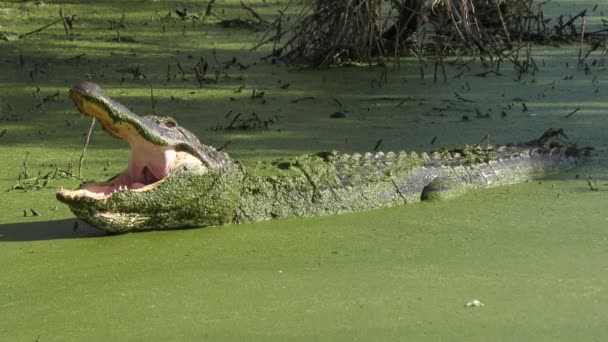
474	303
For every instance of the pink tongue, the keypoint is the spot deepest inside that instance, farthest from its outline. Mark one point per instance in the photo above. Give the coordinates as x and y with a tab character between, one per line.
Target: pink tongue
148	164
136	185
148	176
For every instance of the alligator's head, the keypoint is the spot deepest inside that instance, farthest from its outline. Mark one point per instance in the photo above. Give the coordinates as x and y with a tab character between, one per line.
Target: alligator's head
172	180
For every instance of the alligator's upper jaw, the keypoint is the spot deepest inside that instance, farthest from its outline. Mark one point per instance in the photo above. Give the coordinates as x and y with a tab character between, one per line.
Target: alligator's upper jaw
115	118
152	157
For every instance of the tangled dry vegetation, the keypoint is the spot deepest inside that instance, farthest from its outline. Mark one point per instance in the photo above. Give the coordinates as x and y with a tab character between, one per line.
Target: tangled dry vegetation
333	32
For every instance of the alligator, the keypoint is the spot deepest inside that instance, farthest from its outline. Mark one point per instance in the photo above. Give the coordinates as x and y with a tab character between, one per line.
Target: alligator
174	181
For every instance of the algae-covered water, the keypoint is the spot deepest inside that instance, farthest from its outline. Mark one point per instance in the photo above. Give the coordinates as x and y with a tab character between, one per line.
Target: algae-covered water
535	254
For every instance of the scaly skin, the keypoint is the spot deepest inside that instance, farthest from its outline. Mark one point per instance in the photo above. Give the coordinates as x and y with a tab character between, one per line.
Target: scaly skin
204	187
336	183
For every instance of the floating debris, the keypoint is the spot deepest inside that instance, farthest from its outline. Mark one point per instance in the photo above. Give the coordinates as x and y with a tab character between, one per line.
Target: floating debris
474	303
251	122
338	115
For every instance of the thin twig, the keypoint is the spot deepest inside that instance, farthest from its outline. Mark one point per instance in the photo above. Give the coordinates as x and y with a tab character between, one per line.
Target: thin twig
25	173
572	113
64	22
84	149
21	36
41	104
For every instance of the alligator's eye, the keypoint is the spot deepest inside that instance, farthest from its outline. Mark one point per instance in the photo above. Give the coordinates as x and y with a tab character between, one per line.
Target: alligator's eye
164	121
170	123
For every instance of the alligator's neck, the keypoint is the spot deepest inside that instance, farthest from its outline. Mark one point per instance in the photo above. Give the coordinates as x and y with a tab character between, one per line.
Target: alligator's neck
334	183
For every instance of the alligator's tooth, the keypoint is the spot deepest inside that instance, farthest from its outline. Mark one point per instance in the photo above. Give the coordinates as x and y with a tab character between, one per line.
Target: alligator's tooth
436	155
390	155
379	155
425	156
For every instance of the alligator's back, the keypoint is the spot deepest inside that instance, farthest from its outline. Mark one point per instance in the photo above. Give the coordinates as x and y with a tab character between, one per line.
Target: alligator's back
332	183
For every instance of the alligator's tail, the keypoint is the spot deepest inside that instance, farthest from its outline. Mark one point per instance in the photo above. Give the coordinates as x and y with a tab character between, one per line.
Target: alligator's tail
483	168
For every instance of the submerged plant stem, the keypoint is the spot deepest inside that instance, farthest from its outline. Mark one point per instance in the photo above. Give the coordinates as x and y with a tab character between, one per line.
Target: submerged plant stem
84	149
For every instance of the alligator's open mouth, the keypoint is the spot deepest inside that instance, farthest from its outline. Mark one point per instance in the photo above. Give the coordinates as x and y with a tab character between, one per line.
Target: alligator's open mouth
149	165
153	157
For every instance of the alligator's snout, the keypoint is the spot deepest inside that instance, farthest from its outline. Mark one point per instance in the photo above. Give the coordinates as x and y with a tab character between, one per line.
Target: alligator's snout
160	149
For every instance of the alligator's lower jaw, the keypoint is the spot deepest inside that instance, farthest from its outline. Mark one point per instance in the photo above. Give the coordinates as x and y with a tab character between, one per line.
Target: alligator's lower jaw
148	166
117	223
104	190
147	170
